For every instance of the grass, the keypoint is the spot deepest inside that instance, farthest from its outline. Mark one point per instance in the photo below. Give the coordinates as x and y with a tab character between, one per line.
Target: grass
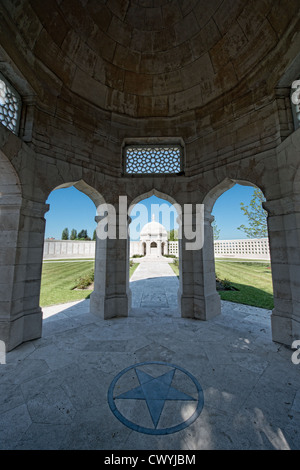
253	281
132	268
60	279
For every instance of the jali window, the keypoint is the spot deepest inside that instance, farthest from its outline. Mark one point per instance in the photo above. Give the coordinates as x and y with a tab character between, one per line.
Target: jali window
153	159
10	106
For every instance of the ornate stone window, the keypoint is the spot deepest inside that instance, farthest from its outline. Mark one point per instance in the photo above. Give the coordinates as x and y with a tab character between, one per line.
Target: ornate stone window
153	159
10	106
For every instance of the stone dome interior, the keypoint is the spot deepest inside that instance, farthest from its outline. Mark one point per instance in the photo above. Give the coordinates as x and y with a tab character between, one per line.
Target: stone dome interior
149	57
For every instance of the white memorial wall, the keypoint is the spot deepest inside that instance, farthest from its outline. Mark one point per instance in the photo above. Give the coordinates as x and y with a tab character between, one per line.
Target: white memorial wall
250	248
61	249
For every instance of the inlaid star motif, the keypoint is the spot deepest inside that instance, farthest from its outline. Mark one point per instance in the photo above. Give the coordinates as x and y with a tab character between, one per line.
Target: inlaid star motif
155	391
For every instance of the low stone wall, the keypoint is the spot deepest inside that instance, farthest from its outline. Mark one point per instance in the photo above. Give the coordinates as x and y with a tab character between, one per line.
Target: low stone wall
250	248
68	249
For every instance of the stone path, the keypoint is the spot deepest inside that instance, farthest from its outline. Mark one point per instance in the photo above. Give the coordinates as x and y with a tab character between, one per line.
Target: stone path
154	287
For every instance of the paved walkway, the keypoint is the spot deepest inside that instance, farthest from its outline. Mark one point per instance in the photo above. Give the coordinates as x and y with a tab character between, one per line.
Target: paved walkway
152	380
154	287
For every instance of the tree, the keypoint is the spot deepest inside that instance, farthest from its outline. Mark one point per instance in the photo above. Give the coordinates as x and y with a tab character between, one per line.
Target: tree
257	216
65	234
83	234
173	235
73	235
94	235
216	230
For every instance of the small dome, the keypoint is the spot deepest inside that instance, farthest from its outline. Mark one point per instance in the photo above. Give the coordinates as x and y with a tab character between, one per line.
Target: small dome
153	229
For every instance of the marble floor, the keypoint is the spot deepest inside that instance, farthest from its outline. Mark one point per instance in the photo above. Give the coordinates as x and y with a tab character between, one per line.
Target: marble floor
152	380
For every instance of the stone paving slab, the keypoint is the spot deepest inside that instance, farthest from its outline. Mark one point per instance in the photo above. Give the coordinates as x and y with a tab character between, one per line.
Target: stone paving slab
54	391
154	286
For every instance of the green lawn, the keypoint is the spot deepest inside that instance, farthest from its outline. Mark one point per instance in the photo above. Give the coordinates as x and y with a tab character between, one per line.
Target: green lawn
59	280
252	279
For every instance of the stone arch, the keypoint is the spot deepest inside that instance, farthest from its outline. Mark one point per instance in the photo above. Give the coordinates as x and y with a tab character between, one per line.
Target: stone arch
98	295
216	191
209	201
177	206
85	188
157	193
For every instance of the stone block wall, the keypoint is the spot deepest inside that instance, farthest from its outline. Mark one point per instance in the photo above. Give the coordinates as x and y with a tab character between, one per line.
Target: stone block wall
68	249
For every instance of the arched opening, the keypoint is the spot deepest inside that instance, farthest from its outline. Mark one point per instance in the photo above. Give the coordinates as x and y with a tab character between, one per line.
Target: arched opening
155	283
241	246
153	249
74	257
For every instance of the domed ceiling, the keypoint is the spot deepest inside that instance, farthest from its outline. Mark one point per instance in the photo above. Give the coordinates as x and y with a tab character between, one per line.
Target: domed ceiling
149	57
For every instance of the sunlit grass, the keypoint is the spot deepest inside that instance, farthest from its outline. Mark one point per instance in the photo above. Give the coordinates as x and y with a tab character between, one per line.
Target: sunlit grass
59	280
253	281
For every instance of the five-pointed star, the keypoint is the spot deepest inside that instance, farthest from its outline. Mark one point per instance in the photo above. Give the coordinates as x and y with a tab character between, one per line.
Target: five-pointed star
155	390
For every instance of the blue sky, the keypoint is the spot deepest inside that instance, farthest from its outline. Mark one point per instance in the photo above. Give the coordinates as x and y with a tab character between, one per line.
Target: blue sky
72	209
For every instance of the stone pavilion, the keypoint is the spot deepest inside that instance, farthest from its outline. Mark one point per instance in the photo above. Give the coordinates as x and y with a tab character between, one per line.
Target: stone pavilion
177	98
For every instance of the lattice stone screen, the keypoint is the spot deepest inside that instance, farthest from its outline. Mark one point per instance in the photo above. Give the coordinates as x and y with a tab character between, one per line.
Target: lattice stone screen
10	106
257	248
153	159
173	248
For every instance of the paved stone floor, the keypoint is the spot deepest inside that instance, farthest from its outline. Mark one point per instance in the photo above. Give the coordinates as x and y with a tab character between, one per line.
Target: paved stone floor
152	380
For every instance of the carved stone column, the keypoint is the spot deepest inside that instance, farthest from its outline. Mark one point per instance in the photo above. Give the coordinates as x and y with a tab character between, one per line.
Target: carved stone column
200	299
111	296
284	240
21	260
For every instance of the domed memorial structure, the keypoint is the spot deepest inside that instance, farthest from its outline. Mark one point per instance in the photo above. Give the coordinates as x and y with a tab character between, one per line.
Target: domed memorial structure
181	98
153	240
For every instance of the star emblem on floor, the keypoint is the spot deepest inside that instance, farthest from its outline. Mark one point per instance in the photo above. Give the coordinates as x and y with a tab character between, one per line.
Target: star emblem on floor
156	390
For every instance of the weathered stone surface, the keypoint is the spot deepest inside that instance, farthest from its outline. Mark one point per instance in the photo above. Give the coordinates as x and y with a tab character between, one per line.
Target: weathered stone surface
215	75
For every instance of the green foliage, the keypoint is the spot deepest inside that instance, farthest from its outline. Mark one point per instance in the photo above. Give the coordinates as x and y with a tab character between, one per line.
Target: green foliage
94	235
257	216
83	235
173	235
65	234
85	281
224	284
216	230
73	235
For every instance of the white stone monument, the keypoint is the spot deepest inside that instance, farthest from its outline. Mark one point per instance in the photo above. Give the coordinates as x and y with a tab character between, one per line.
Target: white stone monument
153	239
